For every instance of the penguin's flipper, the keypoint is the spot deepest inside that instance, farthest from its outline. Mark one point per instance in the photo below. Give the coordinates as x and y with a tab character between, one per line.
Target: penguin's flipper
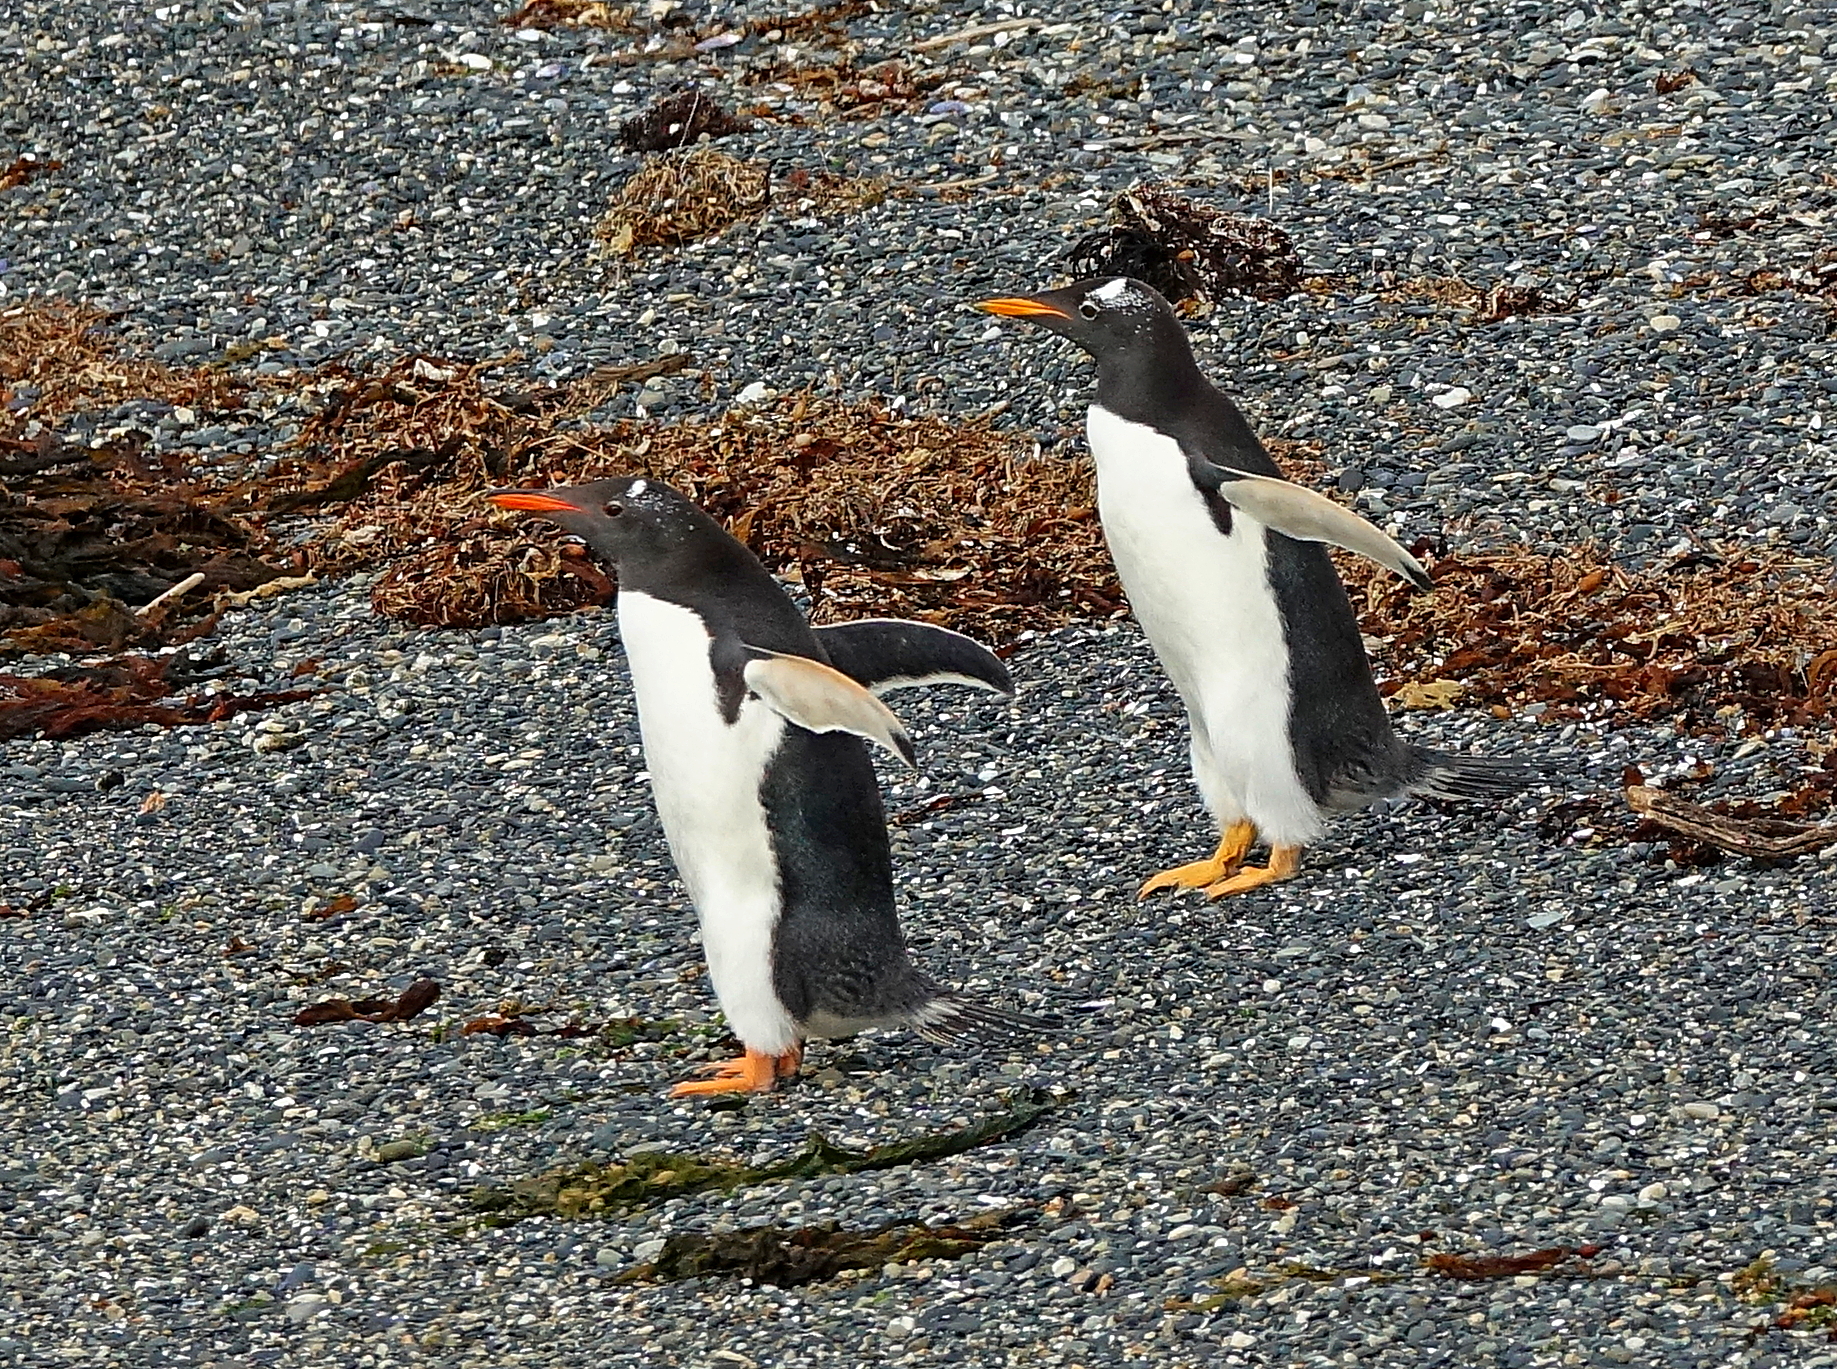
1296	511
820	698
890	653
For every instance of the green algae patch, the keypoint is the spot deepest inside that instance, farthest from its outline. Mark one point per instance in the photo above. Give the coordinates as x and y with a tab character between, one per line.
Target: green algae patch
655	1176
787	1258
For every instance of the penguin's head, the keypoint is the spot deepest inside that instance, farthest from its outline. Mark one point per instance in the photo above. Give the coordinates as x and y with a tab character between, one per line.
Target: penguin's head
620	520
1111	317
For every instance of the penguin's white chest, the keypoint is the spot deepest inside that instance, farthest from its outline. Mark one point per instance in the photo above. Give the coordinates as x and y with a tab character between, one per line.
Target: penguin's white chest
1205	602
705	776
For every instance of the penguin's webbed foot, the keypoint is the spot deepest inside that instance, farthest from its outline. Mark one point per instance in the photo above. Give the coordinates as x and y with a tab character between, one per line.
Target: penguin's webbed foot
754	1072
1284	863
1233	846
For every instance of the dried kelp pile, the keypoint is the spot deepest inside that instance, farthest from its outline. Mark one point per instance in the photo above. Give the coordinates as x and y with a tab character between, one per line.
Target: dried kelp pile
416	999
54	361
830	194
396	460
1188	250
852	91
95	539
127	691
677	197
1738	643
678	121
652	1177
880	513
1492	303
787	1259
586	14
873	512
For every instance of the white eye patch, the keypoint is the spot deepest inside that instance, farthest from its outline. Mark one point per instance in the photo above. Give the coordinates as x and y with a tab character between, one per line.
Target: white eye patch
637	487
1113	292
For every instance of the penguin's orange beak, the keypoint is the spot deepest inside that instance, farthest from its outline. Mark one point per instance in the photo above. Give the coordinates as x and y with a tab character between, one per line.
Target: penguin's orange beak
1020	306
531	501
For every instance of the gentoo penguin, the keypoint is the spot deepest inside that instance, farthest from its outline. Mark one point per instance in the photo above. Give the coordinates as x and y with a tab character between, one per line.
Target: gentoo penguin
754	727
1223	565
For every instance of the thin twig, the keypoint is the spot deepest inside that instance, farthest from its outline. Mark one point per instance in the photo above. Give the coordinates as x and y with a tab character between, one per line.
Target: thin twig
190	582
1731	834
969	35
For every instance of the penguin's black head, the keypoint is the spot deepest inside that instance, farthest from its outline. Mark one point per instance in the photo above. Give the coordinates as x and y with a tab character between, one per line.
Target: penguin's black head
1112	317
623	520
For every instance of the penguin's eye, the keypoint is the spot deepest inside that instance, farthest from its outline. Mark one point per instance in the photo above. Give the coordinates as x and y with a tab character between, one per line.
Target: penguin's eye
1088	310
613	510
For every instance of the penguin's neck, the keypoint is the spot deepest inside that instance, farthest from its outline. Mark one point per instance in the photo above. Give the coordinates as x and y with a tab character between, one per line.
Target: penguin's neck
1151	384
1163	388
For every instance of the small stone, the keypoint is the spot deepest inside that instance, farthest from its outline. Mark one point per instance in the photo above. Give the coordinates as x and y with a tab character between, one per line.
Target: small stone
305	1307
196	1227
1703	1112
1451	399
1666	323
1064	1267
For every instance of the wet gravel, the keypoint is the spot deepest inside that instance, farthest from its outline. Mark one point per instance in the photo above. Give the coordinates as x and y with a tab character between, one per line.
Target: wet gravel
1457	1033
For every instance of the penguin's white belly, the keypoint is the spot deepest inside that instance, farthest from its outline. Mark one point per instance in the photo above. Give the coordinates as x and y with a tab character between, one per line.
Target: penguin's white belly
1205	602
705	777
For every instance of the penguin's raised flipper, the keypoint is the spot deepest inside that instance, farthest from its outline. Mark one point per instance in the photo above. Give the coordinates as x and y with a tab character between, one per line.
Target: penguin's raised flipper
1296	511
820	698
891	653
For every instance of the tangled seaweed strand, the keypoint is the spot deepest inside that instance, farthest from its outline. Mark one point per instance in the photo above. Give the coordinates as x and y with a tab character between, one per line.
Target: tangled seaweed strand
680	196
678	121
1187	250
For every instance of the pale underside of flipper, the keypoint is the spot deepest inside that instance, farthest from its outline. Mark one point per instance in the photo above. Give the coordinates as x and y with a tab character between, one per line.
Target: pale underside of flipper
820	698
1298	512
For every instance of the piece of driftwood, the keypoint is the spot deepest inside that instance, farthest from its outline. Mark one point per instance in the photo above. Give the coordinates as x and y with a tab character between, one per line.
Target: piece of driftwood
1763	840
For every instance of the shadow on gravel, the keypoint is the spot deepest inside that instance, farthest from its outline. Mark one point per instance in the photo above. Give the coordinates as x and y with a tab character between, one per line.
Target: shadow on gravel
788	1258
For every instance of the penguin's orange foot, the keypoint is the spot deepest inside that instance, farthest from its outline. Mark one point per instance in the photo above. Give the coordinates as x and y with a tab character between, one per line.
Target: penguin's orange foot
1233	846
754	1072
1284	863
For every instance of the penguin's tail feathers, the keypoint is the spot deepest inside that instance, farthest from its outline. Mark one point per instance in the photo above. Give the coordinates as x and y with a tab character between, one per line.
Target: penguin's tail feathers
1468	779
948	1018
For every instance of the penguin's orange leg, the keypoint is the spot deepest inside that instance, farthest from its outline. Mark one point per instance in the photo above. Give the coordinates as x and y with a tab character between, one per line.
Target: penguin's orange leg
754	1072
1233	846
1284	863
